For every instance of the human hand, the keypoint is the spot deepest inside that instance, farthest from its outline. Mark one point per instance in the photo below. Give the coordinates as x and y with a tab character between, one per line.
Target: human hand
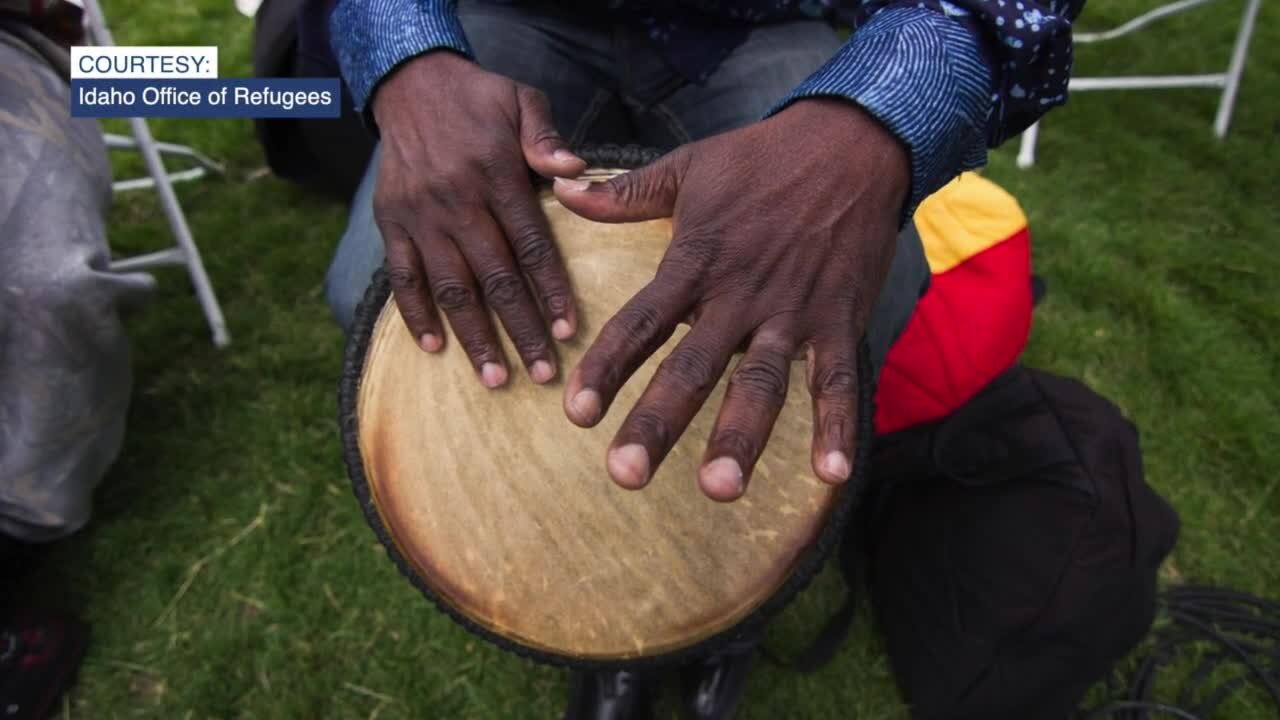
783	233
459	215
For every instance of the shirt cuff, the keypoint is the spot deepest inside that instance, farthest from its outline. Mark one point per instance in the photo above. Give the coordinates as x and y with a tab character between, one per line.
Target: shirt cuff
922	75
372	37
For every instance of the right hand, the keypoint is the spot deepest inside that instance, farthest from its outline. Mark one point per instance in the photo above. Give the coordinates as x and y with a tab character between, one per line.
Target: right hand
459	216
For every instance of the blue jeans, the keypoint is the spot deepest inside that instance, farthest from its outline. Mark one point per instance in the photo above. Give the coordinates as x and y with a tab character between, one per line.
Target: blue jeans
606	85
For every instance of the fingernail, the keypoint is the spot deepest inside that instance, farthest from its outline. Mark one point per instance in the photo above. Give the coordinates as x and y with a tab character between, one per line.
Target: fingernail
573	184
429	342
586	405
629	465
492	375
722	478
836	465
563	155
561	329
541	371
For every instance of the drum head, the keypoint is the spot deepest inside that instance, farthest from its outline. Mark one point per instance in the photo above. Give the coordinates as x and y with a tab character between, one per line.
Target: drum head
501	512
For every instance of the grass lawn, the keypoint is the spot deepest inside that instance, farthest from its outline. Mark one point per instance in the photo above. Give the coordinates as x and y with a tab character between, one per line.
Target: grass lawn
228	572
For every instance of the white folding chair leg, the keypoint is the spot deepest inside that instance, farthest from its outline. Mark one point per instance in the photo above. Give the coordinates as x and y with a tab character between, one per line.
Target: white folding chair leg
1027	149
1236	69
181	233
168	200
1229	80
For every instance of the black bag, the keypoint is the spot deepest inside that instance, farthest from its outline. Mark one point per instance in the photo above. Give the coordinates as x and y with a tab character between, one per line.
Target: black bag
1012	550
329	155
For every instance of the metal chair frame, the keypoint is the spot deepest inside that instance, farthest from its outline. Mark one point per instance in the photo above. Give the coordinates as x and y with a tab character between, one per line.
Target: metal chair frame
184	252
1229	80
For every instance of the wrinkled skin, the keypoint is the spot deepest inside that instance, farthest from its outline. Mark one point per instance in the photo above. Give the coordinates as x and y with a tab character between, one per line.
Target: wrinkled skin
460	219
783	234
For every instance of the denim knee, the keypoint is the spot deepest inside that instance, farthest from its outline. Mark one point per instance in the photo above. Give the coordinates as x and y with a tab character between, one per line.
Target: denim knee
359	254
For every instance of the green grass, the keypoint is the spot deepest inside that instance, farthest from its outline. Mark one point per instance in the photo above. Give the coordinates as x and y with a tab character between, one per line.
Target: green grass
228	572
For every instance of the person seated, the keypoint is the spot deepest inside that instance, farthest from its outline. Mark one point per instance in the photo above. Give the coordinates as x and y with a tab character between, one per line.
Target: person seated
796	160
64	357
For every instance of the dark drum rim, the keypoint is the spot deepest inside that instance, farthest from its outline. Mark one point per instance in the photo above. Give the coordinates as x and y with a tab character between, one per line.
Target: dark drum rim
806	568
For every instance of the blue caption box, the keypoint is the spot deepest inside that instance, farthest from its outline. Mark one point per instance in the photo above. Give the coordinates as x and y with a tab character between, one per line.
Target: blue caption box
207	98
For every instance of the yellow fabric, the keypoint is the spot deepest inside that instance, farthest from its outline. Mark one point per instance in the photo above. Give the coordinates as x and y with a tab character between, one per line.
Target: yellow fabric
965	217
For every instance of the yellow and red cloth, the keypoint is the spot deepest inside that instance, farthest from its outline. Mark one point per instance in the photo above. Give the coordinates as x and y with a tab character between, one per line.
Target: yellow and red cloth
974	321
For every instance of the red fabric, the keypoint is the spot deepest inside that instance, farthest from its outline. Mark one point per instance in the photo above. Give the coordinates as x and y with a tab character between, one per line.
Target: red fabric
969	327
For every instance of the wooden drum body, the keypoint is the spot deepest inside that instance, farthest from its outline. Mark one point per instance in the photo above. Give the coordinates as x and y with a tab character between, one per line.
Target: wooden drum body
501	512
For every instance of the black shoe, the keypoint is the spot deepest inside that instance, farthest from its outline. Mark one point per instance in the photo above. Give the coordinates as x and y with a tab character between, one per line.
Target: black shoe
713	688
610	695
40	653
17	561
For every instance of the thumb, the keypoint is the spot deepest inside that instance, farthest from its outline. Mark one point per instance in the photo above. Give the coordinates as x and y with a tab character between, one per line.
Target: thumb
642	194
544	150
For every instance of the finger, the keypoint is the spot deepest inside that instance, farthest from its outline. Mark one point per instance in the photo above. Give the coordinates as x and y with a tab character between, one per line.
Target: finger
544	150
643	194
833	383
756	393
454	290
409	287
503	289
536	254
629	337
671	400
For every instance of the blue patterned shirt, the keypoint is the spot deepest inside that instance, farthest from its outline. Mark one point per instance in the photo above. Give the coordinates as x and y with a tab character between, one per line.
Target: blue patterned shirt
949	78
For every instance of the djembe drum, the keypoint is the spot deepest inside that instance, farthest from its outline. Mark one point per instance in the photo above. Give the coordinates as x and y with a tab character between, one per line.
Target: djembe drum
501	512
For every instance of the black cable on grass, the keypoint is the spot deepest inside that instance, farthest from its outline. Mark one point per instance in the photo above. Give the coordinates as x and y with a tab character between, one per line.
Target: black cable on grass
1209	629
1124	706
1208	664
1238	629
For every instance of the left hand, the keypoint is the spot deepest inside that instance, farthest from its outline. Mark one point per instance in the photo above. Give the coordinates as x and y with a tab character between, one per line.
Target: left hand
783	234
